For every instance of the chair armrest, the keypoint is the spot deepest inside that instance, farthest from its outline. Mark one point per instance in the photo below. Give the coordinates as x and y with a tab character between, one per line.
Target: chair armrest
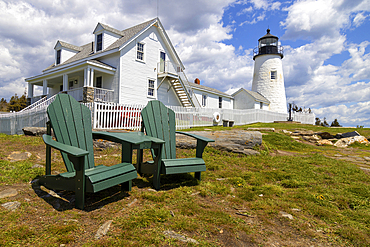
70	150
198	137
201	142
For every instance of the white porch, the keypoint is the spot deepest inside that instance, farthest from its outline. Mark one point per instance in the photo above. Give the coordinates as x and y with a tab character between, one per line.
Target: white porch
86	82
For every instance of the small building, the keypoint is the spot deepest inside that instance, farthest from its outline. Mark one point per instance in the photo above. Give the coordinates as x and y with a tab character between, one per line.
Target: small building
208	97
245	99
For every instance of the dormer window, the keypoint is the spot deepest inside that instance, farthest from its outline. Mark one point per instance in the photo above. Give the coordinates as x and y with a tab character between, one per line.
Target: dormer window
58	56
99	42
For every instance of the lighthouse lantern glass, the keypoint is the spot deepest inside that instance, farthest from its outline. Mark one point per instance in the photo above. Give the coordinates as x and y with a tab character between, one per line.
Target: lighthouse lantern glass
268	42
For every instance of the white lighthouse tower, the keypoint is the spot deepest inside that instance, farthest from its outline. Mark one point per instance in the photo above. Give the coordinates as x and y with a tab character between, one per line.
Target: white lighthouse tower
268	78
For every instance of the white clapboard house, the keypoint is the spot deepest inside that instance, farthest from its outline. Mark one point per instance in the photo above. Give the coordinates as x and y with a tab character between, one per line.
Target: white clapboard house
132	66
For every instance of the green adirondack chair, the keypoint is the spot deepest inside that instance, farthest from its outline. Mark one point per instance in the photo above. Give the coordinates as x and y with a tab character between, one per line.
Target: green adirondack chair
159	121
71	122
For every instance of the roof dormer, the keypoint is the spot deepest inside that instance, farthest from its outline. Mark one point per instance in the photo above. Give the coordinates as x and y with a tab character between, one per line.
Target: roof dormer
64	51
105	36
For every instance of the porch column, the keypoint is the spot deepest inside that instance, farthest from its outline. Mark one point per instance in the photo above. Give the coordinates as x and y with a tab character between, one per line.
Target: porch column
30	90
65	82
92	78
86	77
44	87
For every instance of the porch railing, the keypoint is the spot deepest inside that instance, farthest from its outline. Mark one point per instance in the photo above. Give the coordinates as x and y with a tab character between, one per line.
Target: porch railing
77	93
100	95
103	95
167	67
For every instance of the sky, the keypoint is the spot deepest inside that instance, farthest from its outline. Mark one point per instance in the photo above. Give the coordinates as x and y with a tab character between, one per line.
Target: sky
326	44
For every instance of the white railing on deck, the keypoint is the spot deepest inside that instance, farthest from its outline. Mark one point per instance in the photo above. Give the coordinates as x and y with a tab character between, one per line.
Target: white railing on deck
103	95
124	116
76	93
167	67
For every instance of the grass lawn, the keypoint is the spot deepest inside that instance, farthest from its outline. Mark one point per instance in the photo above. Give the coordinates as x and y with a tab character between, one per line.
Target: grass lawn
241	200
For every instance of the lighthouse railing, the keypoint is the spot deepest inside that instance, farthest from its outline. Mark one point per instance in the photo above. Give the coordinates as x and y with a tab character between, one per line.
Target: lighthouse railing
279	50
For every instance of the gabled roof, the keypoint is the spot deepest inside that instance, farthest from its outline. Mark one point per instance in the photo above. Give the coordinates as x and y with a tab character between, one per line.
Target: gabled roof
108	28
205	88
68	46
127	36
129	33
257	96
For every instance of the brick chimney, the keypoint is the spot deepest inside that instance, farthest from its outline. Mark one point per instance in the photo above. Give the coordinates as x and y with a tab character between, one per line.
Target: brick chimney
197	81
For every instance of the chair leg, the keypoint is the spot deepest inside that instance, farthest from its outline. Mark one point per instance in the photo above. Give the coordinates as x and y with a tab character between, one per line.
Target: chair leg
126	186
197	175
80	190
156	181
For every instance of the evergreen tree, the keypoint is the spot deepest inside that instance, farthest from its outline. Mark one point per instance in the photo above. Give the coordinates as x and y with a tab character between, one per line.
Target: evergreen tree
3	105
317	121
17	103
324	123
335	123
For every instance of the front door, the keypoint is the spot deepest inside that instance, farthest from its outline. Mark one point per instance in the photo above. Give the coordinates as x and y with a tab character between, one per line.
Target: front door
162	60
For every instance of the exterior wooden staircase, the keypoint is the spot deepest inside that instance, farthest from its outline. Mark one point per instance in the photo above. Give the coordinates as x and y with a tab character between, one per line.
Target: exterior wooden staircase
181	93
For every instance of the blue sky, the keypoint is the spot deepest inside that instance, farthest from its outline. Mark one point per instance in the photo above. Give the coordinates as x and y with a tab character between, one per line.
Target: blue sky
326	43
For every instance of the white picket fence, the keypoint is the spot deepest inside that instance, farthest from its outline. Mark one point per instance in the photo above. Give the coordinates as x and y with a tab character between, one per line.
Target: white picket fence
124	116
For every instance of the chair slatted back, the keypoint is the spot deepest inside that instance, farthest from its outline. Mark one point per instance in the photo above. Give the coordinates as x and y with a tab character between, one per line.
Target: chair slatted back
71	122
159	121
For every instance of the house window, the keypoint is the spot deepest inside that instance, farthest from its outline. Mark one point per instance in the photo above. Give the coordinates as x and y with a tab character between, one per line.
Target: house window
99	42
99	82
61	88
58	56
219	102
70	84
204	100
273	75
151	88
140	51
261	105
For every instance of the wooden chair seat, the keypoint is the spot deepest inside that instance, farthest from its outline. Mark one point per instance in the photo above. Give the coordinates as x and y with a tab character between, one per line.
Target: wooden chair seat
173	166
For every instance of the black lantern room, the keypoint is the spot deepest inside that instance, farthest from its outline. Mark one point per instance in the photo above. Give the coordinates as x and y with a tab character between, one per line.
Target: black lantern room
268	44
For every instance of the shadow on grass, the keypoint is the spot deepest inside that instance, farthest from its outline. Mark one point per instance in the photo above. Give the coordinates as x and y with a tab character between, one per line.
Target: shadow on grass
168	182
62	200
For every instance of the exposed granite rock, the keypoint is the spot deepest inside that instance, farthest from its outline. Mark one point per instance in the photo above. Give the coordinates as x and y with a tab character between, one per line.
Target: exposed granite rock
103	144
261	129
172	234
18	155
103	229
325	135
11	206
237	141
8	193
350	134
324	142
344	142
303	133
34	131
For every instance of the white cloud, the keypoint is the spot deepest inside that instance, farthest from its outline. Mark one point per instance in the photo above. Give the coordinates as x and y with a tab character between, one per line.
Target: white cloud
359	19
212	61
